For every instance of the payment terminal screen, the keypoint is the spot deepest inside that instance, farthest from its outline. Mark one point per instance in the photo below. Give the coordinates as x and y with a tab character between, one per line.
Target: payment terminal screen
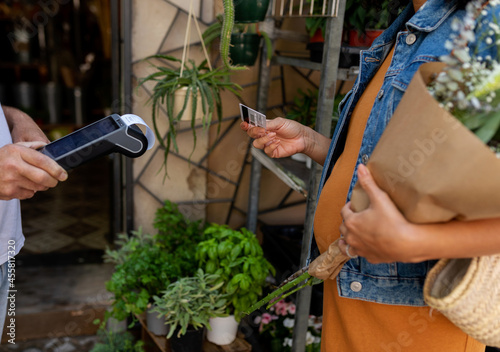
81	137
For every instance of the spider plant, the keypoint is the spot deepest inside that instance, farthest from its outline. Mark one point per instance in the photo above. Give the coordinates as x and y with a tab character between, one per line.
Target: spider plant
202	84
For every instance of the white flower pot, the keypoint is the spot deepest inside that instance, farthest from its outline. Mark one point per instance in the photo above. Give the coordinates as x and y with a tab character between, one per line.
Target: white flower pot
180	96
223	330
156	325
303	159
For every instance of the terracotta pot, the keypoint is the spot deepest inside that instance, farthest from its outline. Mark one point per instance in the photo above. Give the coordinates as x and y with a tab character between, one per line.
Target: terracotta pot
363	39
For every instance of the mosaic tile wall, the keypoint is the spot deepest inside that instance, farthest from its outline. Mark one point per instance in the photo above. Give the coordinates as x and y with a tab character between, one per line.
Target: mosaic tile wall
159	26
216	189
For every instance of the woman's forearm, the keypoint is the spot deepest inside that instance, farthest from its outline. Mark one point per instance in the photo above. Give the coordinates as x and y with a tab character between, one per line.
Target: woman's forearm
316	146
456	239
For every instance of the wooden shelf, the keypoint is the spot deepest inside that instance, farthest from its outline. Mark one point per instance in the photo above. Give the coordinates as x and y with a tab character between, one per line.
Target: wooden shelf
160	342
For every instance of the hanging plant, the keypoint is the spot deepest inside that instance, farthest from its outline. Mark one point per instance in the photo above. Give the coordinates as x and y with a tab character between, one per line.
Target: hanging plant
226	30
198	86
244	42
250	11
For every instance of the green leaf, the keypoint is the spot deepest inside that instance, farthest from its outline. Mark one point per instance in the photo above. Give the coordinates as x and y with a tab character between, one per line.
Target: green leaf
490	127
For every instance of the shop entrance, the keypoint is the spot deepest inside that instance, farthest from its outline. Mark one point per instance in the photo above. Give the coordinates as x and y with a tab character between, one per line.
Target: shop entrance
55	64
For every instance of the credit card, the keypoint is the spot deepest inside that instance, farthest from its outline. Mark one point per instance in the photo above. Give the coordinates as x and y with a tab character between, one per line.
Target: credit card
252	116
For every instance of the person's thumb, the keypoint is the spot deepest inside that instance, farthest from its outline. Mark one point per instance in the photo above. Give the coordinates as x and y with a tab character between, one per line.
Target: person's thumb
368	184
274	124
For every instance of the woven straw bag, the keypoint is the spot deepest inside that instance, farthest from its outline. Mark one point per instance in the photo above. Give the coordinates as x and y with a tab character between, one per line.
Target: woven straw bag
467	292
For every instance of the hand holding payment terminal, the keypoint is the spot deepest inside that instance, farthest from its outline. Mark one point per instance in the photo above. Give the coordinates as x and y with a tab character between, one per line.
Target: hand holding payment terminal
113	133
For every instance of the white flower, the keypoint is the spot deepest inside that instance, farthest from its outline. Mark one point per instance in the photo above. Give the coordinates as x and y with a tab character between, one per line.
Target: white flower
469	36
475	103
287	342
453	86
448	45
309	338
494	26
491	83
288	323
455	24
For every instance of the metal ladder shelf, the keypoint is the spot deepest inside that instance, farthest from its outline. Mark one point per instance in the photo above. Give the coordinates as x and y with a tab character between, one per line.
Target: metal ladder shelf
334	12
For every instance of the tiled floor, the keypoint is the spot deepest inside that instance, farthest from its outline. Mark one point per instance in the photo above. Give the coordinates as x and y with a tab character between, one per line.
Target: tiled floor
45	290
60	267
65	344
74	216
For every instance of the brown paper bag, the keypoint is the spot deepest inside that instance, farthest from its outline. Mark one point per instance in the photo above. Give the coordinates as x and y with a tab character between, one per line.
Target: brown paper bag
432	167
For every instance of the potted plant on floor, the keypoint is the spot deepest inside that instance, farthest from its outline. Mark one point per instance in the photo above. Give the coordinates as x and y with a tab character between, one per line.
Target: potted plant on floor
179	235
187	306
237	260
146	264
116	342
142	270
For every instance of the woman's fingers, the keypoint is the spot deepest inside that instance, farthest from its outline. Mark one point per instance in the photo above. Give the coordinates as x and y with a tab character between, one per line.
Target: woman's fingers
265	141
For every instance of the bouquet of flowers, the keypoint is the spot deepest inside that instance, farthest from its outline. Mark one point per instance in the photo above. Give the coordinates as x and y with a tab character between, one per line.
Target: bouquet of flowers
276	328
448	127
444	169
469	85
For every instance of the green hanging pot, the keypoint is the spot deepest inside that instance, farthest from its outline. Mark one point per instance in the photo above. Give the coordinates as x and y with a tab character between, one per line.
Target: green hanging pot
244	48
250	11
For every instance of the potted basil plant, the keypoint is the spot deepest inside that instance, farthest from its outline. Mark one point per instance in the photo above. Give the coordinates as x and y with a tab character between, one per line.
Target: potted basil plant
237	260
142	270
146	264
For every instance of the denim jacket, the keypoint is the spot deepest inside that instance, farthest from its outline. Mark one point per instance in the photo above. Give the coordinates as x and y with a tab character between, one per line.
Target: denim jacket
418	38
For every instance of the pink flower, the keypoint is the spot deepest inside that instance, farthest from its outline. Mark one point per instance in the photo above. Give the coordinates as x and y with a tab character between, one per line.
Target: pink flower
266	318
292	308
283	311
280	305
282	308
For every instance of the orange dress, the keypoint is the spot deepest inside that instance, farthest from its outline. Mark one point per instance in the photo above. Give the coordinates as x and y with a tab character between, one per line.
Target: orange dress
351	325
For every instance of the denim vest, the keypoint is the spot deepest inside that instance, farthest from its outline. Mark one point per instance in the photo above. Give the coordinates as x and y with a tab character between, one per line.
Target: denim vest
418	38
